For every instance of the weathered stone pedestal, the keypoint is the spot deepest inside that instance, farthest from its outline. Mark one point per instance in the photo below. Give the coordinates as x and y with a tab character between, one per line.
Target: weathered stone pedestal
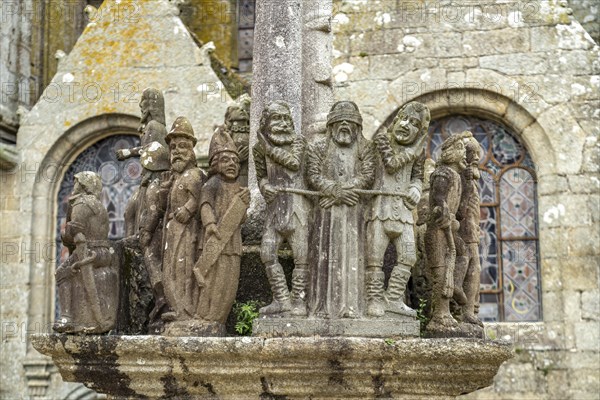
386	327
294	368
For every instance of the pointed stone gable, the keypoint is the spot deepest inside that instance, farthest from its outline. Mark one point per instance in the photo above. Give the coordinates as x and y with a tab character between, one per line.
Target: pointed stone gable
128	46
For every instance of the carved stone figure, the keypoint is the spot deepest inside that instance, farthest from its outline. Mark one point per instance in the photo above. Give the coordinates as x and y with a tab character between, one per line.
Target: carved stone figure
145	210
279	159
88	281
421	282
402	154
182	225
338	167
223	205
153	153
469	279
237	126
441	238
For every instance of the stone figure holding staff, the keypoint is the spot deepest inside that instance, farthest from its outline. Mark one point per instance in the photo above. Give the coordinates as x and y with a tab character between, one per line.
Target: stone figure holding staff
279	159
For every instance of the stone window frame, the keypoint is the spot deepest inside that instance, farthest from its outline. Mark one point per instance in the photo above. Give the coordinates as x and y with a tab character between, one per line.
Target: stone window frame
44	208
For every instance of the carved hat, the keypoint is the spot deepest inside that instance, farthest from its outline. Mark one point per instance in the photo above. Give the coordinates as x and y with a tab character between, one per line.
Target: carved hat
219	143
344	110
182	128
90	182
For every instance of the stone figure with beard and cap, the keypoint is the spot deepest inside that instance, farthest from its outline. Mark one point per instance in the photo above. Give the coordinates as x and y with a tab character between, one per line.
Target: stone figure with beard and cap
338	167
223	205
182	228
279	161
237	126
88	281
441	236
401	154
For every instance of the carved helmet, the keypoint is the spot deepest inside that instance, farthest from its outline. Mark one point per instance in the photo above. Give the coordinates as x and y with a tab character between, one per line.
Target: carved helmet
90	182
181	128
219	143
344	110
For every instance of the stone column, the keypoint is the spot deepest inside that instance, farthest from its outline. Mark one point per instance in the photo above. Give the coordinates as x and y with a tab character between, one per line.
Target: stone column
277	66
317	90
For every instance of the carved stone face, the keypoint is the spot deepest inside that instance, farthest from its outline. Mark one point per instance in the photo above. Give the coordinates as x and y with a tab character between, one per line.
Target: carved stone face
237	120
77	188
182	153
228	165
344	132
459	156
407	126
145	108
280	128
473	150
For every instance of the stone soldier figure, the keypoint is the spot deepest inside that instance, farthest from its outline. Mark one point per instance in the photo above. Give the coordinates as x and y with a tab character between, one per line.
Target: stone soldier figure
182	224
401	152
279	159
470	277
223	205
237	126
441	237
338	166
88	281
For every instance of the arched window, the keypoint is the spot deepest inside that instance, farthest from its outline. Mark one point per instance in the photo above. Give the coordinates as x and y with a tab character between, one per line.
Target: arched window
119	181
510	273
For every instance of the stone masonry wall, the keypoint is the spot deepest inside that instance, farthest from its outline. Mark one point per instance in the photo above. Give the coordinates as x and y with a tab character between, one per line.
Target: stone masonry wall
532	66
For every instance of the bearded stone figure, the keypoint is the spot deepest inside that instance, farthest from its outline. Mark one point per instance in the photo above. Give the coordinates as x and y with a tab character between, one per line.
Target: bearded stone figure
182	228
88	281
338	167
441	238
401	154
279	161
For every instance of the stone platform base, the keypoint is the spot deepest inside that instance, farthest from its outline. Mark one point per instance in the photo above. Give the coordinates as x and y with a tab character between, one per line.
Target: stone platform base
397	327
153	367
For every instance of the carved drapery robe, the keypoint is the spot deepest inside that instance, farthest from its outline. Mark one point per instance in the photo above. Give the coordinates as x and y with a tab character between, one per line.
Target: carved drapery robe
221	280
337	237
180	250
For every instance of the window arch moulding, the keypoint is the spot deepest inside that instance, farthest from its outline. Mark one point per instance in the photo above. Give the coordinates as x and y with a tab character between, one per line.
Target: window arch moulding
50	175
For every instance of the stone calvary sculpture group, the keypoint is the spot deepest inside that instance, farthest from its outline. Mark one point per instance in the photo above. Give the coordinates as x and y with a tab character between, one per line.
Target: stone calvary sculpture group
337	199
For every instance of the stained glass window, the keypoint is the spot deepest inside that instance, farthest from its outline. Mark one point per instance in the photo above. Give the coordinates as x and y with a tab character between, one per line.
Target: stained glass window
119	181
510	268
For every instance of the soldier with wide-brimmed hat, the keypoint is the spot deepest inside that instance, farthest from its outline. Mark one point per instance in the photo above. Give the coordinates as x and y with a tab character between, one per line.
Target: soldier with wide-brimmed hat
182	224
